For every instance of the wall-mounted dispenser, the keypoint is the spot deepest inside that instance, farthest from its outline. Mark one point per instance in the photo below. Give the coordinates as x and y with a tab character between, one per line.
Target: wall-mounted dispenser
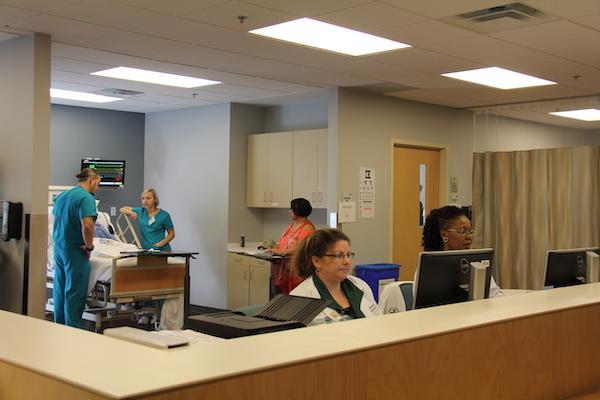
11	220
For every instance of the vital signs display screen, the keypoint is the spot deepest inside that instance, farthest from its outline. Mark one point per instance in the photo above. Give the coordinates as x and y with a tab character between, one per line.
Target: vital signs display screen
112	173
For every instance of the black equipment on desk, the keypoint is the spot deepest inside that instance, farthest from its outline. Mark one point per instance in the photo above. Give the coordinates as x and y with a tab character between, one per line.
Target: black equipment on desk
281	313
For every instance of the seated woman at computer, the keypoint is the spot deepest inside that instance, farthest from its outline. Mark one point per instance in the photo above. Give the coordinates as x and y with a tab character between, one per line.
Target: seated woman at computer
155	223
324	260
446	228
449	228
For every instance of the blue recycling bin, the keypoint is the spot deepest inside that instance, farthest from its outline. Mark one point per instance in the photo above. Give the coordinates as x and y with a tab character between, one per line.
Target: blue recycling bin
378	275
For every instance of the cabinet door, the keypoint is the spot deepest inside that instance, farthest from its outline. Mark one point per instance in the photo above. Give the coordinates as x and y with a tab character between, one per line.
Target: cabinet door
280	167
257	171
322	168
305	166
237	285
260	284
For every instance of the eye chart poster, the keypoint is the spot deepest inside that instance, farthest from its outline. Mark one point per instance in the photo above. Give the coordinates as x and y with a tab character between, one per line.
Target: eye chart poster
366	192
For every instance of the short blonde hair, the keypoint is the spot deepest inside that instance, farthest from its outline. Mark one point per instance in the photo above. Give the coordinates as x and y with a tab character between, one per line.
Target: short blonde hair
154	193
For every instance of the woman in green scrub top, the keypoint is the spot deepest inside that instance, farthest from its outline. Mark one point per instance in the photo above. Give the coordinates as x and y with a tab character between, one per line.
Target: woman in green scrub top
155	224
324	259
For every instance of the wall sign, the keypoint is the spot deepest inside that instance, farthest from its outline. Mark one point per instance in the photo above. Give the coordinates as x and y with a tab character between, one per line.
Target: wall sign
366	192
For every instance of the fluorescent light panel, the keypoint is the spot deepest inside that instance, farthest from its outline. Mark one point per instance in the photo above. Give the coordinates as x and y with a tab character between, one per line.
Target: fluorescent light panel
588	114
499	78
81	96
159	78
313	33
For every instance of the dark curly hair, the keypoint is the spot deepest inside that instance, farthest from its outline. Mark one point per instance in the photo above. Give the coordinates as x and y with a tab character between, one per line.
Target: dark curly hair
438	219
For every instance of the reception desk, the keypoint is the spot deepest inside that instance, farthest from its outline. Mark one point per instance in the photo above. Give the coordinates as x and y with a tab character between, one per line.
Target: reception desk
538	345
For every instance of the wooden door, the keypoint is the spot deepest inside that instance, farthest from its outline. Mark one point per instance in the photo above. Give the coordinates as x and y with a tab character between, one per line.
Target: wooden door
416	181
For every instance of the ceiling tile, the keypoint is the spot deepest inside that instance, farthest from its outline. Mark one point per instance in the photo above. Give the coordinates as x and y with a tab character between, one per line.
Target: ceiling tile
226	15
307	8
538	35
71	65
12	15
566	8
314	76
41	5
64	30
593	21
177	8
439	9
424	60
372	17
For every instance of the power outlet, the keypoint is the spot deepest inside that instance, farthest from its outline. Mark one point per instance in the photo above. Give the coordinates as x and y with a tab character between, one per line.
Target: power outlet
113	211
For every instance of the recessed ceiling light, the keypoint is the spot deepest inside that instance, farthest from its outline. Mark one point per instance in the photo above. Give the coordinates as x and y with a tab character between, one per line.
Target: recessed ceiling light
499	78
588	114
313	33
81	96
160	78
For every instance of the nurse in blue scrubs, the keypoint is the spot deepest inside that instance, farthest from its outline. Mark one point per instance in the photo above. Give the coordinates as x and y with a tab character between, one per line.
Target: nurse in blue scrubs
73	234
155	224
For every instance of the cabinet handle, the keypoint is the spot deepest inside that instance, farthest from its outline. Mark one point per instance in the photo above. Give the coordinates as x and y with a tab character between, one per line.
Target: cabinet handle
320	197
314	197
250	275
246	275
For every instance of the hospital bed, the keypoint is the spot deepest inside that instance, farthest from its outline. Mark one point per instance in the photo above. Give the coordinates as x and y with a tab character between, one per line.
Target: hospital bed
120	281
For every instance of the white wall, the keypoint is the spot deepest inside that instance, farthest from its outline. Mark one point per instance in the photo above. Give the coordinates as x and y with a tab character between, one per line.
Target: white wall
493	133
366	124
187	161
24	134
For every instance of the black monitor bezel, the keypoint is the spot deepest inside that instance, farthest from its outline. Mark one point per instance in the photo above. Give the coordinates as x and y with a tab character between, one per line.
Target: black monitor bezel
423	256
572	251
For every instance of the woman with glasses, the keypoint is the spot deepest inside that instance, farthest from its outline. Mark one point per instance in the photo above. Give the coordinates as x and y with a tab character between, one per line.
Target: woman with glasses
446	228
449	228
324	259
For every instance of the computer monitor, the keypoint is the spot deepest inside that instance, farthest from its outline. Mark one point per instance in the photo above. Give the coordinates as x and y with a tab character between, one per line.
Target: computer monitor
112	173
567	267
443	277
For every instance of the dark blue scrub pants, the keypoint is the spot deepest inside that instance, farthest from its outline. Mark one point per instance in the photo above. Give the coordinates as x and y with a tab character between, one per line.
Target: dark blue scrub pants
71	275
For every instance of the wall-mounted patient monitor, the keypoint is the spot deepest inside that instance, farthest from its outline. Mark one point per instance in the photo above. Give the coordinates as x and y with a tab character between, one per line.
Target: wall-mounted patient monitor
112	172
570	267
454	276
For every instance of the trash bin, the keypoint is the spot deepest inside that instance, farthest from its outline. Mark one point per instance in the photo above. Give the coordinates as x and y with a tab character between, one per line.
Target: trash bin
378	275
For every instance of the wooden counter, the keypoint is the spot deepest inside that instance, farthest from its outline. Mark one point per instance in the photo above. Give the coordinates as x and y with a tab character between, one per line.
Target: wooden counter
542	344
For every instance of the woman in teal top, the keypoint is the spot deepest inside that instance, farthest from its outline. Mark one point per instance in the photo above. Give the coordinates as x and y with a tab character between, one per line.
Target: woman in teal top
155	224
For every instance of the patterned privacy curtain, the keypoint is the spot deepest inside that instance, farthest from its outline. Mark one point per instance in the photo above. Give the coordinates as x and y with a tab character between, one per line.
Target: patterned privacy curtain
528	202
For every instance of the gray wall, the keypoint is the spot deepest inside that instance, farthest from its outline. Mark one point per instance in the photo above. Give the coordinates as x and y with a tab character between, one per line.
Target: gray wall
79	132
245	120
24	134
187	161
366	125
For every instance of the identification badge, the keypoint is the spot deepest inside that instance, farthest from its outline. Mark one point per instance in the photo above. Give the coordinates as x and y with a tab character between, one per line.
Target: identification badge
151	221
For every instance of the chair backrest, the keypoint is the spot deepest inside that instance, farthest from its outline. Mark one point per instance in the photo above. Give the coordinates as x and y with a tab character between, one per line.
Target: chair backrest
407	292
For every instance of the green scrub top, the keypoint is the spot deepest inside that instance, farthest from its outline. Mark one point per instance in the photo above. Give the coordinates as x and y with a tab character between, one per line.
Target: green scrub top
69	208
153	229
353	294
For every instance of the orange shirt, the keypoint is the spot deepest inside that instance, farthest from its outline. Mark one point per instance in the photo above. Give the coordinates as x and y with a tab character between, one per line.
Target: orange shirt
292	237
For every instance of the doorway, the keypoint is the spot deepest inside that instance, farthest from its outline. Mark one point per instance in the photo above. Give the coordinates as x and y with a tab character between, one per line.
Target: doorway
416	191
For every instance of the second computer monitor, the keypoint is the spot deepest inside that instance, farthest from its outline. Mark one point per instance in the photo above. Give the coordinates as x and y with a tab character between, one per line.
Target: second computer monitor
443	276
566	267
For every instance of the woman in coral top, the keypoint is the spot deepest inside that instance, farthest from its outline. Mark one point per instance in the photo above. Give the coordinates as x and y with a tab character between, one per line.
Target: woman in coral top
284	277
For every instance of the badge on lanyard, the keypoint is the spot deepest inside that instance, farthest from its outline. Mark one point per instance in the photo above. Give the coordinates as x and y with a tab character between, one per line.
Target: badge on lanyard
151	221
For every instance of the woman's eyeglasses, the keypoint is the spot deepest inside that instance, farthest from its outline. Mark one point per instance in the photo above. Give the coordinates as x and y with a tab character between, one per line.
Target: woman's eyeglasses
463	231
340	256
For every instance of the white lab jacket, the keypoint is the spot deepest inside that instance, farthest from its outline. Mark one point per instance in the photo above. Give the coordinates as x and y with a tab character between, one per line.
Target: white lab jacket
391	300
368	306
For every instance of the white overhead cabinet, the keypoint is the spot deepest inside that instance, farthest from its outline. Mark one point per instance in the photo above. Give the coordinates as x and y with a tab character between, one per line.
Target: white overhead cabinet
269	170
310	166
286	165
